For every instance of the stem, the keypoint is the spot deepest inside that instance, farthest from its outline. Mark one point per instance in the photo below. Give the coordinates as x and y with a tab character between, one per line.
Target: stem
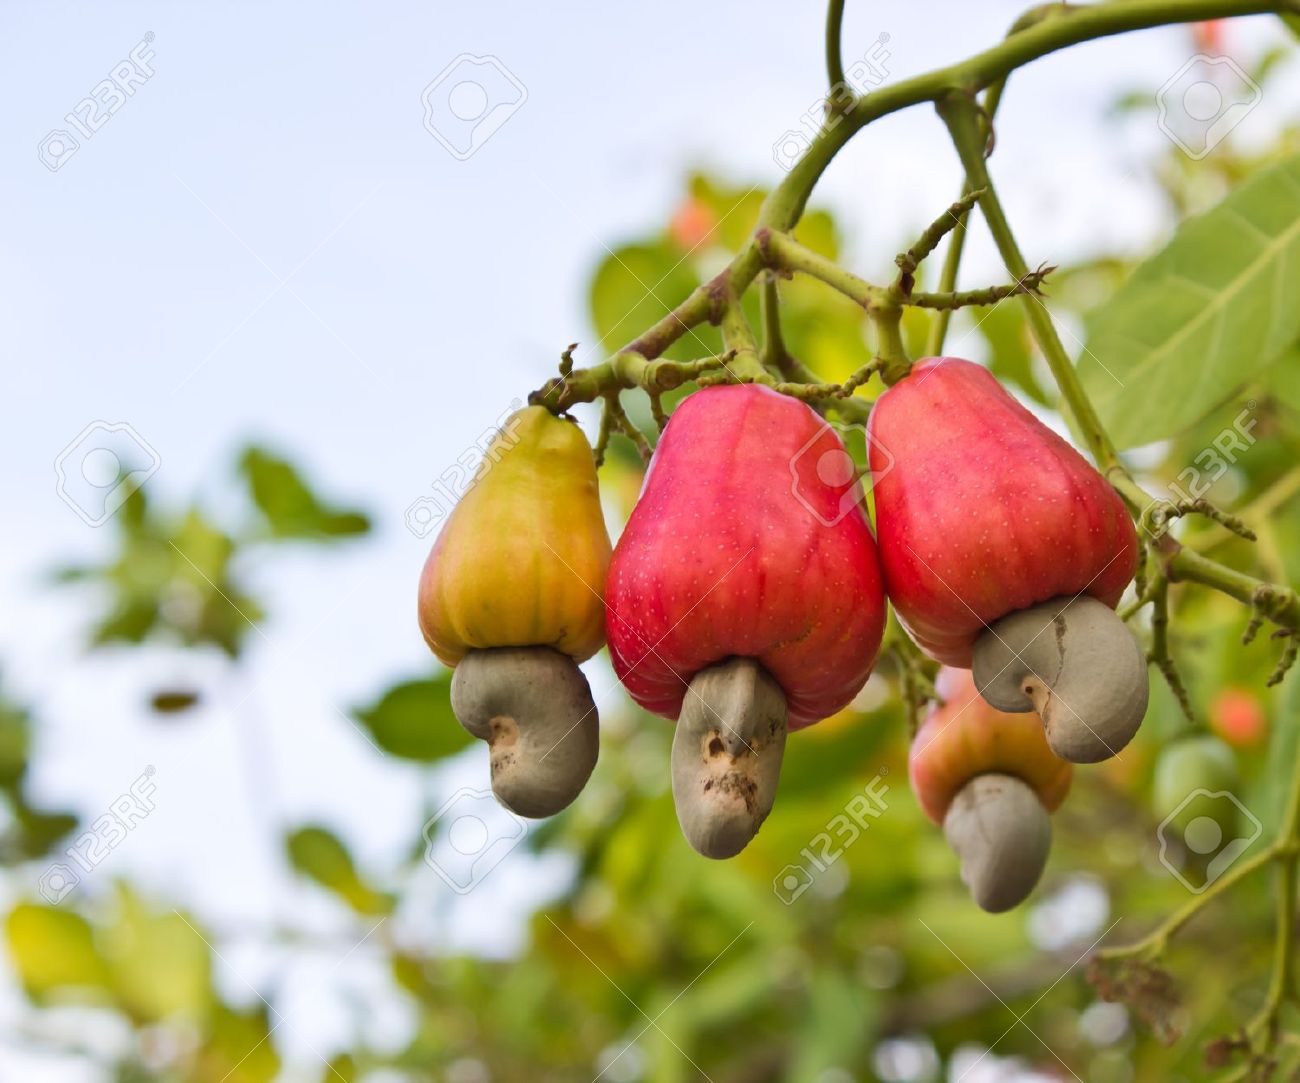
834	55
1070	27
1159	654
989	295
957	245
774	354
739	338
962	116
929	240
1282	605
783	251
1158	939
1281	986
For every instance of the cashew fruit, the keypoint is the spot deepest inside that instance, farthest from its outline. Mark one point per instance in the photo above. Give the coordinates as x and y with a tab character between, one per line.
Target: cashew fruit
749	541
990	780
997	539
982	510
511	596
964	737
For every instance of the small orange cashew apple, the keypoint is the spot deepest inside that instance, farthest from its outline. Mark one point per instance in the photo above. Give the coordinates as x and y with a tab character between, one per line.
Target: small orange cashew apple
990	779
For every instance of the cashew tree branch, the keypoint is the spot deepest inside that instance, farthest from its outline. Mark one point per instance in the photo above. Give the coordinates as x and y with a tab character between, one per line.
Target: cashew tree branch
783	207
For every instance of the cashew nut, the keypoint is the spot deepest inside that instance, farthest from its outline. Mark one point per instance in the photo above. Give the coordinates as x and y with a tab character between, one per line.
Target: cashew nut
1001	833
1075	663
727	753
533	707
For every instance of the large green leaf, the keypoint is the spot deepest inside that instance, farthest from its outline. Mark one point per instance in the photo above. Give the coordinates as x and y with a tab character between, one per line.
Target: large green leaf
414	720
1205	314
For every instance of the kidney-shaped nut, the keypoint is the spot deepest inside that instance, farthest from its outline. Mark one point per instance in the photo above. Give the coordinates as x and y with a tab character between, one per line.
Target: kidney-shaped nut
533	707
727	752
1001	833
1075	663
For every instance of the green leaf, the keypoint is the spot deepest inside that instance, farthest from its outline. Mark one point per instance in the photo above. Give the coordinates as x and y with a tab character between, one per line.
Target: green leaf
160	965
1011	357
1282	379
836	1028
735	213
53	949
239	1048
414	720
15	730
320	855
290	507
37	830
342	1069
636	286
1199	318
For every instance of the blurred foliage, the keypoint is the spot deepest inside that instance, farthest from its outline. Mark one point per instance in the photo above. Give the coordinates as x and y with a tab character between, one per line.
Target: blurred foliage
823	953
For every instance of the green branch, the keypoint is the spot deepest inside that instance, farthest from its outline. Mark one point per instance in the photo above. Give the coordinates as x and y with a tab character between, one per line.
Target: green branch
989	295
1072	26
784	205
834	54
783	252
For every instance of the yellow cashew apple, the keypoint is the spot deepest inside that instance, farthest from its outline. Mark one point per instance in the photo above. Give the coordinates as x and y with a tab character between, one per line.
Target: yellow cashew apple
521	562
512	596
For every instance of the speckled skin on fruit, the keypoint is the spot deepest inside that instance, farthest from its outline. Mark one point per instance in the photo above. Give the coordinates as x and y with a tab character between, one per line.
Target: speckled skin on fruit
521	561
748	540
965	737
981	510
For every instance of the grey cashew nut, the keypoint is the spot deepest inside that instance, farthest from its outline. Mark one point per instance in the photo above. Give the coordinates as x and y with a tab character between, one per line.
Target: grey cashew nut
1001	833
533	707
1075	663
727	753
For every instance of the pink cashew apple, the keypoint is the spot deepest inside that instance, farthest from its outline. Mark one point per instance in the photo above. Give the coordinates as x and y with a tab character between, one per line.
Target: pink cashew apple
743	598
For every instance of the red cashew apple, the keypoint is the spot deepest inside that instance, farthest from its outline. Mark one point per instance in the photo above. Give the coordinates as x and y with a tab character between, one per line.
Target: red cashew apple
1005	551
990	779
743	598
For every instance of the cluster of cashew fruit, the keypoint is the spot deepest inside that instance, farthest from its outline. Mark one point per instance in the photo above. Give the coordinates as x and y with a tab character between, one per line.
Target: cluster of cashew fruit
746	598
